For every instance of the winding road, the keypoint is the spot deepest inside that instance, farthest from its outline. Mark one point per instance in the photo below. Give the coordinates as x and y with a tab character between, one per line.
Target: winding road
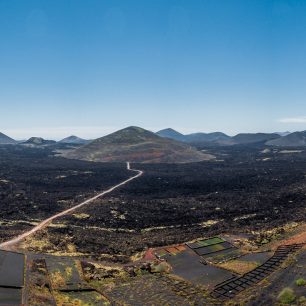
41	225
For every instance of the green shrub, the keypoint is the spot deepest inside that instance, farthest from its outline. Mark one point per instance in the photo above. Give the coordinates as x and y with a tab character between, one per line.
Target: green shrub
300	282
286	296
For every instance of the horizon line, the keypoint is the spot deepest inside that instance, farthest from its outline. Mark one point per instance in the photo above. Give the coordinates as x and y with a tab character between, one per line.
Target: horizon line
101	131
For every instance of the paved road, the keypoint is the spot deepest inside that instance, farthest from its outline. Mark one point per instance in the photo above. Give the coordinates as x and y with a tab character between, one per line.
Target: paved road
12	242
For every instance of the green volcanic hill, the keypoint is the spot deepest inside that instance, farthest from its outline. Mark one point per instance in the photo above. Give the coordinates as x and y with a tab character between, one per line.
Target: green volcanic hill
135	144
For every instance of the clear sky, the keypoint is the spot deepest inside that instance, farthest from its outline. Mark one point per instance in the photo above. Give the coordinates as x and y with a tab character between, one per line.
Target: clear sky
91	67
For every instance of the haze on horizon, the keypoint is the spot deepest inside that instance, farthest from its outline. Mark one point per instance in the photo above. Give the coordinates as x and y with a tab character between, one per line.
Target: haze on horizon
92	67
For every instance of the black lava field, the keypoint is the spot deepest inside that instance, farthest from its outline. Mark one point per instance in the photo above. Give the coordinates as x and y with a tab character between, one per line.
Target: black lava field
244	190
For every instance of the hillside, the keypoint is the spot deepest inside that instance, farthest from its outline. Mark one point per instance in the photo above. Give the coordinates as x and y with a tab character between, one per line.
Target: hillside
216	137
6	140
135	144
74	140
296	139
247	138
171	133
38	141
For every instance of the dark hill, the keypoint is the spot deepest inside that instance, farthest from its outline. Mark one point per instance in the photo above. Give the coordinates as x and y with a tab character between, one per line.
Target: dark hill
207	137
296	139
74	140
135	144
247	138
172	134
215	137
6	140
38	141
218	138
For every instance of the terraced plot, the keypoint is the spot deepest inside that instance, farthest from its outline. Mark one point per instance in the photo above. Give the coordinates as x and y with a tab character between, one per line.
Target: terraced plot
64	274
205	243
156	290
284	278
68	285
246	263
222	255
188	264
214	250
11	278
38	285
191	267
230	288
10	296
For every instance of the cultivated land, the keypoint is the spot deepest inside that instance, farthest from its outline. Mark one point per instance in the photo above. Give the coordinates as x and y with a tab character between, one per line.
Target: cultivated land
129	247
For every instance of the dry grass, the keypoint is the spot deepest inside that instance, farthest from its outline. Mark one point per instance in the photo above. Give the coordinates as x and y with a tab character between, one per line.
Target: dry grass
81	216
239	266
57	279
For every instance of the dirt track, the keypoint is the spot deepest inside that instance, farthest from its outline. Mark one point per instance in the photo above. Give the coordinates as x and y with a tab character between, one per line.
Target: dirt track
8	244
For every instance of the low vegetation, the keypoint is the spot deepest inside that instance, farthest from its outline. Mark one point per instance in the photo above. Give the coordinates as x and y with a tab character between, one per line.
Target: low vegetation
286	296
300	282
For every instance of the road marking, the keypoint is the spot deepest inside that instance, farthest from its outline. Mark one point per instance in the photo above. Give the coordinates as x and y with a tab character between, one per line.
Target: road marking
67	211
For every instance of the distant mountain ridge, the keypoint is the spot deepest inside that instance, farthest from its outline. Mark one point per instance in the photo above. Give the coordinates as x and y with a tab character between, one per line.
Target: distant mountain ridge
38	141
296	139
172	134
4	139
74	140
194	137
281	139
207	137
247	138
219	138
283	133
135	144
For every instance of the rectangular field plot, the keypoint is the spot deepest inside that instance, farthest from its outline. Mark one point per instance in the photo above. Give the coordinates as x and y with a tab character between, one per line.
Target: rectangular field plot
170	251
222	255
205	243
213	248
64	274
231	288
10	296
11	269
188	265
161	253
145	290
79	298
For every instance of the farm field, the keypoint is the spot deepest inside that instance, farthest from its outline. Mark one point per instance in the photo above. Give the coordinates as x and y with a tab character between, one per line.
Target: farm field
173	274
191	234
12	267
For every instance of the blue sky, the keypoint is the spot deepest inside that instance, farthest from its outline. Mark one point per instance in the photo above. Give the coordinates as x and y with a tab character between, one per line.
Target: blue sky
91	67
